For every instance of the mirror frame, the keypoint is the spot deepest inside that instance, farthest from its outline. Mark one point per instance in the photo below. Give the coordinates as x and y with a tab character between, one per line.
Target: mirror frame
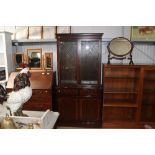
22	54
120	57
34	50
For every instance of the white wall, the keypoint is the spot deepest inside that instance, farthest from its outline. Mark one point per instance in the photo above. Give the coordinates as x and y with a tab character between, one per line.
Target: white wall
142	53
109	31
46	47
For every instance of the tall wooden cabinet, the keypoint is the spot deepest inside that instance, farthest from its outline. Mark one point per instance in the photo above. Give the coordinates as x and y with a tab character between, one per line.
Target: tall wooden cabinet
79	91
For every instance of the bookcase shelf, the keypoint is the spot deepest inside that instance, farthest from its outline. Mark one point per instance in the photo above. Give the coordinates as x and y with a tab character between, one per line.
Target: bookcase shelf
125	104
120	92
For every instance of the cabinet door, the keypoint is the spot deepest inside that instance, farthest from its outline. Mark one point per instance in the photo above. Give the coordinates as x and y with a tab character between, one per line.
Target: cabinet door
67	107
90	109
90	62
67	62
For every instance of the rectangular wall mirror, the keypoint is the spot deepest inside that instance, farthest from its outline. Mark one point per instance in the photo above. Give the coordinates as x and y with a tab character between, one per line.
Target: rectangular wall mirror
34	58
19	59
48	61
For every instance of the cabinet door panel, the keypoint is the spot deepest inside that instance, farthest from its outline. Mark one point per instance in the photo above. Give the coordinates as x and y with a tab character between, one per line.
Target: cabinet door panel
68	56
67	108
90	109
89	62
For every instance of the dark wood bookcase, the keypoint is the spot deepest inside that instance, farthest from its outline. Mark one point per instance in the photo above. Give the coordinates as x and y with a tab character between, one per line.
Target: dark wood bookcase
79	90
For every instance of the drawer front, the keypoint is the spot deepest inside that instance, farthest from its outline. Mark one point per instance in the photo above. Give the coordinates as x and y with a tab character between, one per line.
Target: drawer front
38	93
36	107
67	92
90	92
41	100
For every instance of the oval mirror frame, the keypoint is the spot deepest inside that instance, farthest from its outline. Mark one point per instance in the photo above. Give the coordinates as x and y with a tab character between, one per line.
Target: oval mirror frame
120	47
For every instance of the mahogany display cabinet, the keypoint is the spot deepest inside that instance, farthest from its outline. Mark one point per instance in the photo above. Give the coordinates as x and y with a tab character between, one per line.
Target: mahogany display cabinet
79	90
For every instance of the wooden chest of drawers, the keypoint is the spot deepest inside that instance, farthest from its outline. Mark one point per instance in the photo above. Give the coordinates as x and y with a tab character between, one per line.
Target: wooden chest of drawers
41	83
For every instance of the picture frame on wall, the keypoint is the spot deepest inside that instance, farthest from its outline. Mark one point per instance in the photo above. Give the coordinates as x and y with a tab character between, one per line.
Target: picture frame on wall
21	32
49	32
143	33
63	29
48	61
35	32
19	60
34	58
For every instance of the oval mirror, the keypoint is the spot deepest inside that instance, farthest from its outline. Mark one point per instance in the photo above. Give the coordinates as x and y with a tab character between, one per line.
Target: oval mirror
120	47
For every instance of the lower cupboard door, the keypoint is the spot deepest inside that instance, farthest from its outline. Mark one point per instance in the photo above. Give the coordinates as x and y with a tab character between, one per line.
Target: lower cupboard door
90	110
68	109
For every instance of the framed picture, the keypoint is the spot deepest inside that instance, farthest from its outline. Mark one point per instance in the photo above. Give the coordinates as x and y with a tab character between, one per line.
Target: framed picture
35	32
49	32
48	61
19	60
34	58
63	29
21	32
143	33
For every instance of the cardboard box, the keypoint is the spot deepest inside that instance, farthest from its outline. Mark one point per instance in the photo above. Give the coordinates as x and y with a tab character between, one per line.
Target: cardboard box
37	119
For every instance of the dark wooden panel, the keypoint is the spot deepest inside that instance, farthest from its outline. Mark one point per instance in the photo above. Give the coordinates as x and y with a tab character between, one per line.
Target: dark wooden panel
148	112
90	92
32	106
68	109
148	97
67	91
90	109
119	114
